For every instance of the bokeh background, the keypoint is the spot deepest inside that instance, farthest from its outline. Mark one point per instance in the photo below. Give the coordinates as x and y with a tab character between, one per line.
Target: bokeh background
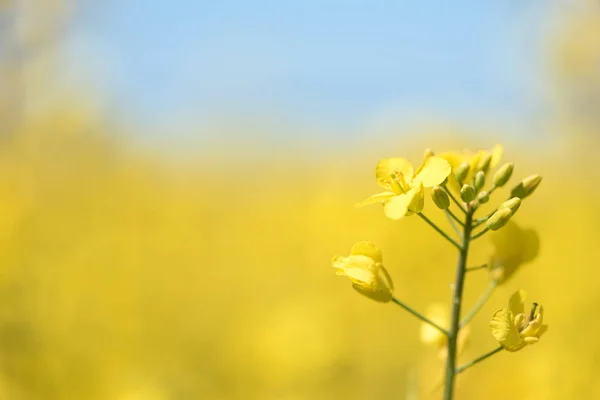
176	176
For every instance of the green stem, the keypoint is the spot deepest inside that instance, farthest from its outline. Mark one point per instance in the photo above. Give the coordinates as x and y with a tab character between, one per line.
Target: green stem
477	360
485	296
454	217
454	199
461	270
480	234
438	230
419	315
477	268
454	226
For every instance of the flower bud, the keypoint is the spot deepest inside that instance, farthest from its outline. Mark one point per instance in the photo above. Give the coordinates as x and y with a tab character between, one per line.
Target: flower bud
483	197
479	180
484	163
428	153
461	171
499	219
503	174
512	204
440	197
526	187
467	193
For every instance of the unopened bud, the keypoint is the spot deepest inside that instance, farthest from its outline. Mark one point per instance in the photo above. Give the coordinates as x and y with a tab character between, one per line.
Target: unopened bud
503	174
512	204
526	187
461	171
499	219
428	153
440	197
484	163
467	193
479	180
483	197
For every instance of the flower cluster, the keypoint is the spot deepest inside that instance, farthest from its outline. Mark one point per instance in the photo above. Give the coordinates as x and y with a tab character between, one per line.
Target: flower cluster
460	182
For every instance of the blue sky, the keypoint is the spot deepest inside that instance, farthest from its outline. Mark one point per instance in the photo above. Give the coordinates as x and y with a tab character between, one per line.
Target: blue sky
317	62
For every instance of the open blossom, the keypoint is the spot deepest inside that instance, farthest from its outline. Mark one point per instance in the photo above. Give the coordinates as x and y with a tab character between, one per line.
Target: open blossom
513	246
364	267
514	329
404	193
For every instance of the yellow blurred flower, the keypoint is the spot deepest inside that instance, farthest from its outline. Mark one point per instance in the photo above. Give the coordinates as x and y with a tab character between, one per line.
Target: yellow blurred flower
513	246
438	313
482	160
364	267
404	193
515	330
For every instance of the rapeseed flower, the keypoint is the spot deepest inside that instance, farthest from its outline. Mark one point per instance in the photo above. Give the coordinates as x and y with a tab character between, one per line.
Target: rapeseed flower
404	187
364	267
513	329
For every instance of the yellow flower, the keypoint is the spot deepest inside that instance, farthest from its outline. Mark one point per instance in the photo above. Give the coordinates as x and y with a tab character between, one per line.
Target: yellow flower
404	193
364	267
479	161
513	329
438	313
513	246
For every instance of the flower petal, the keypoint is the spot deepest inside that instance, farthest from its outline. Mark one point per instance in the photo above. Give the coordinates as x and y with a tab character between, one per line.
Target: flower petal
376	198
516	303
504	330
397	206
388	166
380	295
367	249
418	201
497	153
433	171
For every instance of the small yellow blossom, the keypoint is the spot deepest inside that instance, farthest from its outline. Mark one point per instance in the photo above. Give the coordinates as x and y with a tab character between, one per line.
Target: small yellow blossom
404	193
513	329
438	313
513	246
480	161
364	267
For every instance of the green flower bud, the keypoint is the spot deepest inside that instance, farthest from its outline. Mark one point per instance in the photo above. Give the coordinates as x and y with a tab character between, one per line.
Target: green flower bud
512	204
479	180
467	193
484	163
483	197
526	187
499	219
461	171
440	197
503	174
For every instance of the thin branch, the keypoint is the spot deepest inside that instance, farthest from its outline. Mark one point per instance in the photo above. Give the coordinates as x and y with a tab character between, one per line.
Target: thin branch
454	199
441	232
419	315
478	360
479	303
480	234
477	268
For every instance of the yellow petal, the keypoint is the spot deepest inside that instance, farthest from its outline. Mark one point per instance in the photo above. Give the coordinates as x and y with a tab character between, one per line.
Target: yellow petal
418	201
504	330
516	303
343	264
397	206
367	249
388	166
376	198
433	171
382	295
497	153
